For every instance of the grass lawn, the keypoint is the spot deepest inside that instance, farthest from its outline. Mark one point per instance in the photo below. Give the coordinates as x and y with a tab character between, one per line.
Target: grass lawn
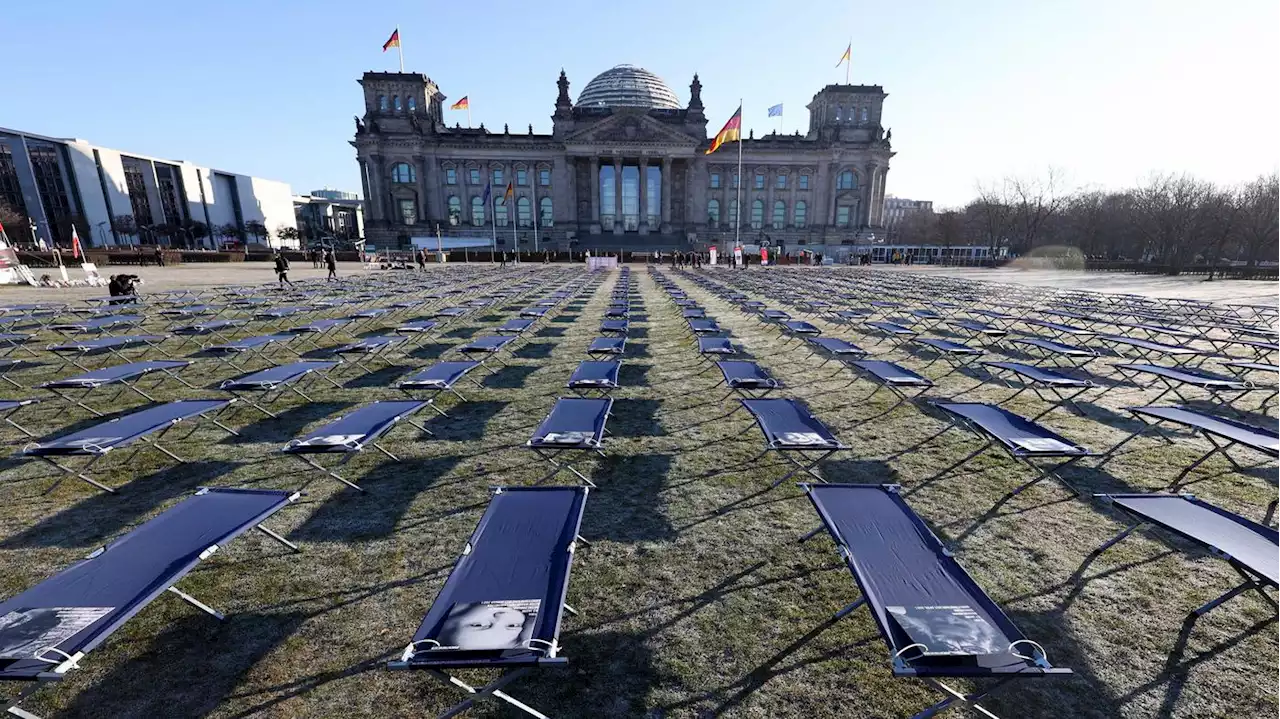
696	599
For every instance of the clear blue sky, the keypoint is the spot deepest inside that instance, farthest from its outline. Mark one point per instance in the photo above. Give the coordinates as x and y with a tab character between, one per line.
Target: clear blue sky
1107	90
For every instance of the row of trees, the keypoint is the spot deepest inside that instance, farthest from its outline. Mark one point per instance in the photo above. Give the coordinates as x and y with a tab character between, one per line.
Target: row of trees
1170	220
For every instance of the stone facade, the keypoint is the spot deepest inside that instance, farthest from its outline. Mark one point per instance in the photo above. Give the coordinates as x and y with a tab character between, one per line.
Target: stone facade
618	177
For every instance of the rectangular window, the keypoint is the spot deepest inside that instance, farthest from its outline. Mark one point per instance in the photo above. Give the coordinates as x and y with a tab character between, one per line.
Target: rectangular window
450	176
804	182
759	182
715	180
781	182
544	178
497	178
522	177
408	212
473	176
735	181
10	192
842	216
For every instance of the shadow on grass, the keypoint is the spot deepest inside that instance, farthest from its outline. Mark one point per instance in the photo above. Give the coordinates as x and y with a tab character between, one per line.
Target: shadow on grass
460	333
390	488
610	674
550	332
466	421
286	425
188	669
429	350
509	377
101	516
636	418
855	471
565	319
383	377
535	350
633	375
633	513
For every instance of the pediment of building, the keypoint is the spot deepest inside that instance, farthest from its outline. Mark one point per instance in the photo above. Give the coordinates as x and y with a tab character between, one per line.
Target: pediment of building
629	127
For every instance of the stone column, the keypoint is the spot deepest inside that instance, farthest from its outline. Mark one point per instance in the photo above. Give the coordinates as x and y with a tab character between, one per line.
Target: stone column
426	215
790	219
766	219
643	190
666	195
377	183
833	176
868	194
617	195
877	216
595	189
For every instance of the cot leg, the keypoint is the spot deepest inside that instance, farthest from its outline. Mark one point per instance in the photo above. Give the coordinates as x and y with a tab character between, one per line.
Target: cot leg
335	475
18	427
953	696
810	535
1271	512
848	609
198	604
571	610
1231	594
1116	539
490	689
12	705
78	475
384	451
278	538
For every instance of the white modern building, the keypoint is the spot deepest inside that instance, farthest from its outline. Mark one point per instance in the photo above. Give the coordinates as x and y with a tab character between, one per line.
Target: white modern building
897	208
124	198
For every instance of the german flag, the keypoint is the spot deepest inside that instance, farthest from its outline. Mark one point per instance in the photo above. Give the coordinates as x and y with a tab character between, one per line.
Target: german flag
511	190
731	131
393	41
460	104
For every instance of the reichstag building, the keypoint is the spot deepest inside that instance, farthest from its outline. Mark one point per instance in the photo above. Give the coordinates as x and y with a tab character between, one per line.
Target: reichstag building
624	167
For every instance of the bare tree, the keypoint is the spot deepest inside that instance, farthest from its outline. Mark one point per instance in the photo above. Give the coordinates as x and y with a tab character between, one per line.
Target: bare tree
1169	214
1034	201
1259	220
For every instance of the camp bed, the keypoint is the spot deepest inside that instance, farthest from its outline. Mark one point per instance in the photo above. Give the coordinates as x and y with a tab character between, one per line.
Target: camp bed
935	620
11	341
746	379
1175	380
218	329
97	441
535	313
1045	350
440	377
75	351
1057	330
693	313
594	376
126	375
794	433
351	433
488	348
239	352
9	366
502	605
276	316
715	346
101	325
614	327
1024	440
1040	380
799	329
316	331
618	311
183	312
10	407
774	316
703	327
1154	332
956	354
607	347
419	330
50	628
899	380
575	424
979	330
834	348
892	331
1220	432
1145	349
1249	547
514	327
364	350
271	383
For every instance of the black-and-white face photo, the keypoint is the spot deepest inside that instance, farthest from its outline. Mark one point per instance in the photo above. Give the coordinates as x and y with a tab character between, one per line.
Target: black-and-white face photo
489	625
27	631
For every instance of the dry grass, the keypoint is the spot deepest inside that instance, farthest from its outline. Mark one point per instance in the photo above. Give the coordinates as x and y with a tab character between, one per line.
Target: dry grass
696	600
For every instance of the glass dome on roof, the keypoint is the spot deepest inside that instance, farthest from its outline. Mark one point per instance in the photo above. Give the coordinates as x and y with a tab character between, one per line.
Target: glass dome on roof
628	86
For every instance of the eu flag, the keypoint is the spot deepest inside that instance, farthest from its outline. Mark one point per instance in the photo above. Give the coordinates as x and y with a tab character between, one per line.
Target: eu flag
487	190
776	110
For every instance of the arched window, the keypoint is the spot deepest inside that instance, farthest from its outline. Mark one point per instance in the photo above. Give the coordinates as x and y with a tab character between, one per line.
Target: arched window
544	210
839	112
382	103
395	102
524	212
800	211
779	214
733	214
847	181
413	104
757	214
500	216
866	112
477	211
713	212
455	211
402	173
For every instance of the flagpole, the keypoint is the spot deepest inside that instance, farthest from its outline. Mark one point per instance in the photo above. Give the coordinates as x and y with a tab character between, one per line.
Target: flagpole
537	213
468	113
493	253
737	220
848	60
515	241
400	49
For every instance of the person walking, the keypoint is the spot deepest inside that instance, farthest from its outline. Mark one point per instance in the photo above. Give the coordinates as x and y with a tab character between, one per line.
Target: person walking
159	256
282	269
331	262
